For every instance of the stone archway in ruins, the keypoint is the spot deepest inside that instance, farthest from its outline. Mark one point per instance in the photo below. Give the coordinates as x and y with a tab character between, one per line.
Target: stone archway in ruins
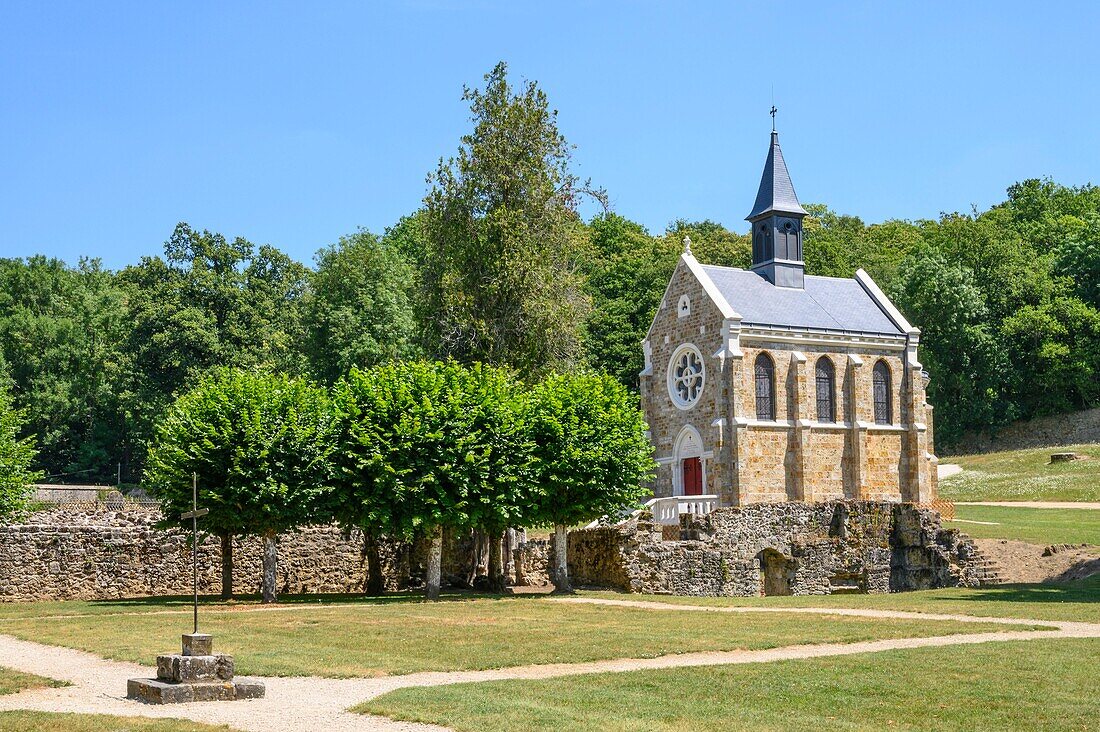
775	573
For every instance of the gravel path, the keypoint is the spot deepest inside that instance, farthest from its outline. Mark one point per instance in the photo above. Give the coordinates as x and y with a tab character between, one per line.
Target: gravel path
310	703
946	470
1034	504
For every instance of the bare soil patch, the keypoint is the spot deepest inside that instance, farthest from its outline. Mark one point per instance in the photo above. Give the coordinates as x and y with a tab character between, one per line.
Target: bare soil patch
1021	562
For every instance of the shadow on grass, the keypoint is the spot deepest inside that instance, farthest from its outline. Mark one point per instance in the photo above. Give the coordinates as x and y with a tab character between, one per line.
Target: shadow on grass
214	602
1085	591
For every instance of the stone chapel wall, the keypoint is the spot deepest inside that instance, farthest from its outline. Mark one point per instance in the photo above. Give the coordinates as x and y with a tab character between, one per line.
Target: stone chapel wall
795	457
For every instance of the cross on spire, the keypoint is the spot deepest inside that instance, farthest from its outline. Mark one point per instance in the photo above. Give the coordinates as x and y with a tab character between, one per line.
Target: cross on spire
774	110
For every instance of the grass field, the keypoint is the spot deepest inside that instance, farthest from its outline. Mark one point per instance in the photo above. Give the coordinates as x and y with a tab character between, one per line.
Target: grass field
13	681
1035	685
1034	525
1025	475
1065	601
369	639
51	722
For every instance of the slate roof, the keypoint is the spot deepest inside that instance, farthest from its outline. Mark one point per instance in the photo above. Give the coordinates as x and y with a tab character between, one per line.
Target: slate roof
776	192
826	303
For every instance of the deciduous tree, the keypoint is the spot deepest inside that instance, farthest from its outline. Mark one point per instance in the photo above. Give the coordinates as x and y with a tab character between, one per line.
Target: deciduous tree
591	455
260	444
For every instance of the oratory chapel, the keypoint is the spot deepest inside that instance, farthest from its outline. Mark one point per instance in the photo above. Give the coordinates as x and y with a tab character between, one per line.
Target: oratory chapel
770	384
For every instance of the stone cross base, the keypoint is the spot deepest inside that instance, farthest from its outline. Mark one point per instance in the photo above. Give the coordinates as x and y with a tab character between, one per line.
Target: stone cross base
195	675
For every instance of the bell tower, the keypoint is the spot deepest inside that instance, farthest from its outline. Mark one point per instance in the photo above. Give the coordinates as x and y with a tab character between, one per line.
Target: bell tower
776	220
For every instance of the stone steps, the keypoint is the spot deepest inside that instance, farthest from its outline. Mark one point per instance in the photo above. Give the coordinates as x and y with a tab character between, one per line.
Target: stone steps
990	572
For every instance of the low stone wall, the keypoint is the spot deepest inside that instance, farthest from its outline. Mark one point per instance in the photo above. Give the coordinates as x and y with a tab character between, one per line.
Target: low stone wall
95	554
532	562
780	548
1073	428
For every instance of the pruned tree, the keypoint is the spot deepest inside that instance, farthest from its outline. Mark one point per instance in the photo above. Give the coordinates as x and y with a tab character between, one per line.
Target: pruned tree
591	455
260	443
426	446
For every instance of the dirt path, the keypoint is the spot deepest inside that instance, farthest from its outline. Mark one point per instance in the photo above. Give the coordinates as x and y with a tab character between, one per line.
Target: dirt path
309	703
1034	504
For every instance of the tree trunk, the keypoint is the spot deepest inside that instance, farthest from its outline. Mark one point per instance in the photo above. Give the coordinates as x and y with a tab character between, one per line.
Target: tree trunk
227	565
435	559
375	582
496	562
477	542
271	565
561	565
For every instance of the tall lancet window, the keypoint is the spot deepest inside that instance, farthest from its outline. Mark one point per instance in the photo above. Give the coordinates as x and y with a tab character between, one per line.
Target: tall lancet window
826	390
881	386
765	388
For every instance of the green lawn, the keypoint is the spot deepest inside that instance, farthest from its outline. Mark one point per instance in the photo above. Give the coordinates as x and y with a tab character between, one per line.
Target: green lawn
13	681
52	722
1035	525
1034	685
398	637
1065	601
1025	475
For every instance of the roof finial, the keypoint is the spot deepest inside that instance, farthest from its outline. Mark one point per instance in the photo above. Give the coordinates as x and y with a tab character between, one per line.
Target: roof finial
774	110
687	245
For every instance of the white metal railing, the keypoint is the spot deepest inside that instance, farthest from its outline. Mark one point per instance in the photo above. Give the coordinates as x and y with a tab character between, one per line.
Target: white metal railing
667	511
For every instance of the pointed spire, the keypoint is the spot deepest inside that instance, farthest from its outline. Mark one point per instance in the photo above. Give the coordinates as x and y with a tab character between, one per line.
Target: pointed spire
776	193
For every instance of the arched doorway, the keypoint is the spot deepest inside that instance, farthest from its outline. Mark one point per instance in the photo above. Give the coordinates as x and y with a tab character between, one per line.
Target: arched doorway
689	475
775	573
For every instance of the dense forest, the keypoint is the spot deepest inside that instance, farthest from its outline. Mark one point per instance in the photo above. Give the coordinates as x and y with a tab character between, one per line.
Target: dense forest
496	265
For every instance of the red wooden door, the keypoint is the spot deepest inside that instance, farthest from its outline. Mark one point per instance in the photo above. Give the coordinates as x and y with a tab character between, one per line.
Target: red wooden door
693	477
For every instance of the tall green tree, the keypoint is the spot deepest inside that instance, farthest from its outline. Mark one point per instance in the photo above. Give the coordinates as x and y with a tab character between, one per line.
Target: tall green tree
1078	257
591	455
626	273
501	225
208	302
62	331
958	348
1056	356
17	477
358	312
260	444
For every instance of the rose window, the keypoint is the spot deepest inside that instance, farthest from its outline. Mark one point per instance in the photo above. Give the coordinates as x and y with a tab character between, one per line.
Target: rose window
685	376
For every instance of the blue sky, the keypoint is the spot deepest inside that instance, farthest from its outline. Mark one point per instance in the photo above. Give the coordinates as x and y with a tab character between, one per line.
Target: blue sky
294	123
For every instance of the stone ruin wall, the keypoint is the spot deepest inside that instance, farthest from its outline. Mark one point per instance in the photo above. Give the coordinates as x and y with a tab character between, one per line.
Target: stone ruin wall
86	554
1056	430
97	554
781	548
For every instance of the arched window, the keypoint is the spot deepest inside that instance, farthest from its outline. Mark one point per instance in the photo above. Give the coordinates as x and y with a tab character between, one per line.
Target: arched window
881	380
826	390
765	387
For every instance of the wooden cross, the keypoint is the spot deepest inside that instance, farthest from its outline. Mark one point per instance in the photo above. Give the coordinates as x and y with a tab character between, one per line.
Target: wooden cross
194	515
